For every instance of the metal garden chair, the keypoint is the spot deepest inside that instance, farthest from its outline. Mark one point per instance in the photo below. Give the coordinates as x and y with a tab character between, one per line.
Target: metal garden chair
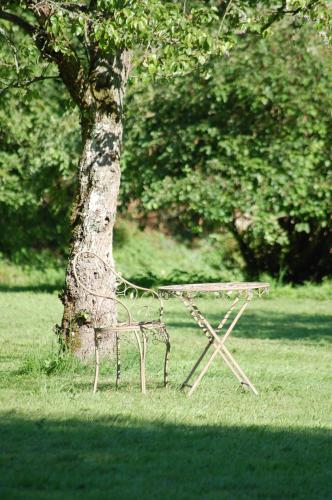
135	316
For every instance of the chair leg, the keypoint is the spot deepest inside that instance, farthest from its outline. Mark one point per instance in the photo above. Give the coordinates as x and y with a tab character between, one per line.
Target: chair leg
167	354
142	354
97	364
143	361
118	361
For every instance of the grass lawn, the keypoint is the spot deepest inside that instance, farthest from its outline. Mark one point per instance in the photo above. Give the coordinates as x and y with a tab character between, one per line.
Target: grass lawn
58	441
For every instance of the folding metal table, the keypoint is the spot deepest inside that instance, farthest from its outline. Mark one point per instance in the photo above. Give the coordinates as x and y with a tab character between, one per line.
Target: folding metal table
241	294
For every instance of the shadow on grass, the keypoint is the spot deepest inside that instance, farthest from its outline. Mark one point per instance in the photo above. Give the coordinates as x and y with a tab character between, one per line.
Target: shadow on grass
120	458
272	325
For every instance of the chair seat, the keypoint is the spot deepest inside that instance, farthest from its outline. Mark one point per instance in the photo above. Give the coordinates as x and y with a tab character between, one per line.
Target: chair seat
126	327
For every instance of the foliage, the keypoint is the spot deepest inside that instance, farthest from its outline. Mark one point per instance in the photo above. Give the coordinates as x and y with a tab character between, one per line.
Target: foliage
217	126
248	155
39	144
165	38
151	259
145	257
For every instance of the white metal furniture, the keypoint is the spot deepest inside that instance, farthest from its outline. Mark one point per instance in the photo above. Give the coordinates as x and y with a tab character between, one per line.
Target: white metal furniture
241	294
117	308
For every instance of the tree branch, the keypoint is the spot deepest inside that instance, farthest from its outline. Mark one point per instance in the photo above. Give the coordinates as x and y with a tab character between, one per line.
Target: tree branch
70	68
17	84
69	64
73	6
281	11
19	21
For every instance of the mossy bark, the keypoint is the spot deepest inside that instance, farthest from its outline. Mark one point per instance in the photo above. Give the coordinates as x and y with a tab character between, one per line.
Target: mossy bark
98	184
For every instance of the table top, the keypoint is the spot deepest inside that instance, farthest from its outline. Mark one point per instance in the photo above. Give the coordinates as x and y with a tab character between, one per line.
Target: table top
214	287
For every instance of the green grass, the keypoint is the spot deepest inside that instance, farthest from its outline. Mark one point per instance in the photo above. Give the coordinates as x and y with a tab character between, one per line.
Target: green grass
58	441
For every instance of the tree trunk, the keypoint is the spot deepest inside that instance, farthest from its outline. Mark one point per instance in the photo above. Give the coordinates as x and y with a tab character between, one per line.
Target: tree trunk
98	184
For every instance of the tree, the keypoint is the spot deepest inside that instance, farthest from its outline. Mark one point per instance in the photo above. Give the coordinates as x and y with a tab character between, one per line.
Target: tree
94	45
247	151
39	148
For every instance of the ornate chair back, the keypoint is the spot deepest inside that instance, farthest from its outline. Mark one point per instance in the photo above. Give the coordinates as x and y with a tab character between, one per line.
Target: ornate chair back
108	288
116	305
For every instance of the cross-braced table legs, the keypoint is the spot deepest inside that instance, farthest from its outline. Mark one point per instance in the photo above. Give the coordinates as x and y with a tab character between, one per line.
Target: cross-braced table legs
217	342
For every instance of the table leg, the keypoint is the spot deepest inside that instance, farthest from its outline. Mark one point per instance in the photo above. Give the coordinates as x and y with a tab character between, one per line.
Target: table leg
118	360
201	321
196	365
97	363
217	343
167	353
203	324
203	372
245	380
232	365
142	354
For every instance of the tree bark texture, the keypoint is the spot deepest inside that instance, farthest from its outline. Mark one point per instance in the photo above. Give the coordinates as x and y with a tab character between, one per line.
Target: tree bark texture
95	210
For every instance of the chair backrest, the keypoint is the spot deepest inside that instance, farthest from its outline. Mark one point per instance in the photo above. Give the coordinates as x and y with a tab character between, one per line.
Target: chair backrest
99	279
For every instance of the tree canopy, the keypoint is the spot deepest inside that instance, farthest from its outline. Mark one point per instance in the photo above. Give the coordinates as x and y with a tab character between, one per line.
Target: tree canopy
248	150
166	38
